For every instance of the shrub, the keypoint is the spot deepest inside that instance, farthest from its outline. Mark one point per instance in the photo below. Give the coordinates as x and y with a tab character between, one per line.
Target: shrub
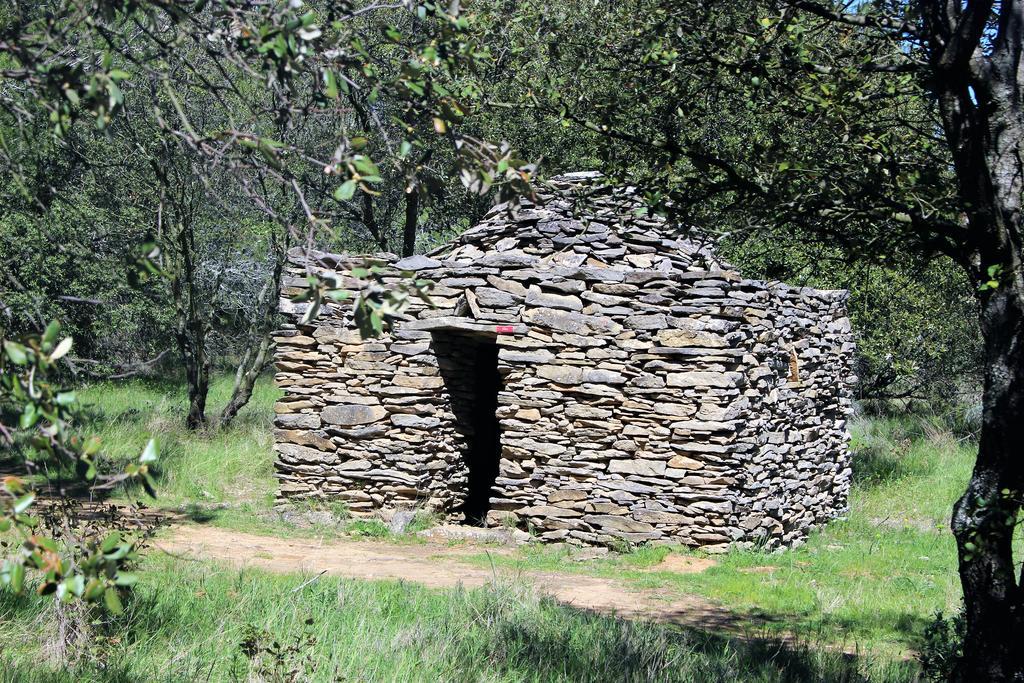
942	646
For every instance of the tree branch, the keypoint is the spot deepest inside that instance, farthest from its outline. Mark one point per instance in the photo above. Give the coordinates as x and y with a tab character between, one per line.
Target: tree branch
882	22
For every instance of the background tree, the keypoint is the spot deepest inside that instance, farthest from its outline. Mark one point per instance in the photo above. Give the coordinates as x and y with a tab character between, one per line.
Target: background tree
195	118
171	114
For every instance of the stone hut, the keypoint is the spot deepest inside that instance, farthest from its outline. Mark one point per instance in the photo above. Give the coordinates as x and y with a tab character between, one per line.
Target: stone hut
586	372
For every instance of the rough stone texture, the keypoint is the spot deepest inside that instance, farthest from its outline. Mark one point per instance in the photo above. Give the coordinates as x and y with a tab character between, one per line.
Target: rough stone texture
649	392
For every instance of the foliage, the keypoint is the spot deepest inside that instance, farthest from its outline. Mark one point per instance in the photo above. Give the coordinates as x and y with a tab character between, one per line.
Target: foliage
893	129
643	112
280	660
863	126
292	113
72	561
942	646
915	319
205	470
69	264
498	82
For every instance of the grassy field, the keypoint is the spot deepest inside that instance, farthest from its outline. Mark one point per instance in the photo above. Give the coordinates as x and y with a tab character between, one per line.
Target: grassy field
195	469
195	622
866	584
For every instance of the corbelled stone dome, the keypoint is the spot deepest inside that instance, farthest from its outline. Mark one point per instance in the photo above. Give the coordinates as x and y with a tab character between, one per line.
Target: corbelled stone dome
582	369
577	220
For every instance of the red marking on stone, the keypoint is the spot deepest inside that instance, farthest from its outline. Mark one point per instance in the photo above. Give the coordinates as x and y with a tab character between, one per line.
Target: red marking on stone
505	329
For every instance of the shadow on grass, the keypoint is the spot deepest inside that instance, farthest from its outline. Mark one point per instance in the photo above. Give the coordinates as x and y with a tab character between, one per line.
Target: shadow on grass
18	672
873	466
498	633
878	460
906	627
584	646
201	515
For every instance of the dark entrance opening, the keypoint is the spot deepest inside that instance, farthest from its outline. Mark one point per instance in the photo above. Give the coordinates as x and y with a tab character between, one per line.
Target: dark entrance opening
469	366
485	446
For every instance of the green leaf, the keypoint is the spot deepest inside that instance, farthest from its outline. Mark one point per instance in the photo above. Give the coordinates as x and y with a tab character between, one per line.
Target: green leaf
75	585
313	310
119	553
47	544
365	166
16	352
62	349
330	84
110	542
113	601
92	446
149	452
345	191
66	398
126	579
17	578
28	416
116	96
24	503
50	335
93	590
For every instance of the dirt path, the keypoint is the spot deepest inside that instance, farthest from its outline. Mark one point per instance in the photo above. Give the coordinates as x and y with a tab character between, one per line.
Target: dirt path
442	566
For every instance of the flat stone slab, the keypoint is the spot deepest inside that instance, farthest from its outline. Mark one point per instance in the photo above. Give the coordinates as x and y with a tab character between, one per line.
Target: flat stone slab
462	324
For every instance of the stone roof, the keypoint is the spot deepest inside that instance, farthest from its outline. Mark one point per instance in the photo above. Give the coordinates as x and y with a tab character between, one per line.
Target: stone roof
578	221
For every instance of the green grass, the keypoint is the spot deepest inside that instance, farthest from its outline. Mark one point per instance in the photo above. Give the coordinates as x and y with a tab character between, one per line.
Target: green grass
221	476
867	583
187	622
870	581
234	464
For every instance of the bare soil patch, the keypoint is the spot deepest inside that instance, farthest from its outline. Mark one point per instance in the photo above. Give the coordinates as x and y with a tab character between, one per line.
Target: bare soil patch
681	564
442	566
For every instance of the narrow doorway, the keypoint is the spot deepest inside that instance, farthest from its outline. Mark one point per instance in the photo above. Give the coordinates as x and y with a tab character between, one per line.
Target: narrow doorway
485	446
469	367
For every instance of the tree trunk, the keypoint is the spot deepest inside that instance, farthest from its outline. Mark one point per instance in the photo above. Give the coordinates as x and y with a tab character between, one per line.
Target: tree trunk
985	516
978	93
192	345
412	217
190	328
259	342
245	378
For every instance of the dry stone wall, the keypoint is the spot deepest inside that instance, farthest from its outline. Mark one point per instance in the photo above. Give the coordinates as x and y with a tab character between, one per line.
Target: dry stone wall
647	392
